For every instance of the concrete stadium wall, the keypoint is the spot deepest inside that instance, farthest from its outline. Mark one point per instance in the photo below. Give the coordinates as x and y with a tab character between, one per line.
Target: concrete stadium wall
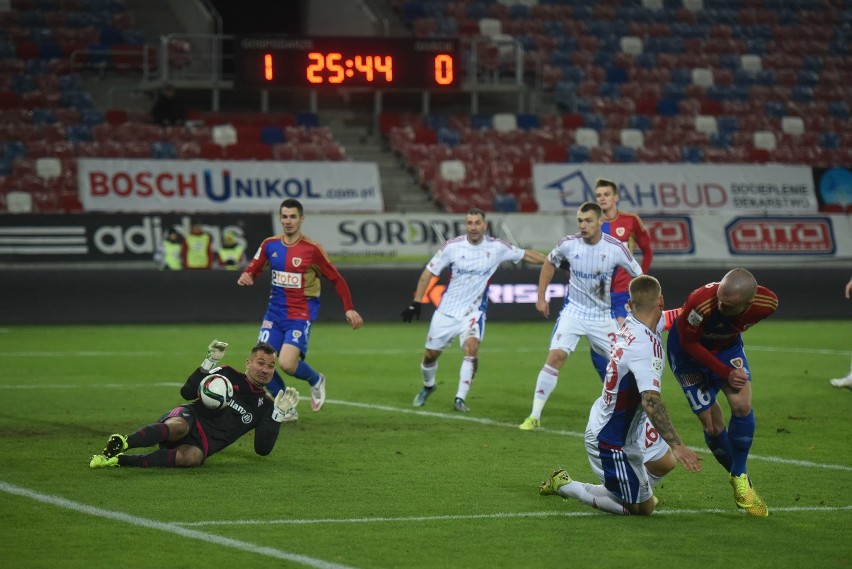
54	296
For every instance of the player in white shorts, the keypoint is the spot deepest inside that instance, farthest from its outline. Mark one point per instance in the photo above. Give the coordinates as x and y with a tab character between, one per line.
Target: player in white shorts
615	433
592	257
472	259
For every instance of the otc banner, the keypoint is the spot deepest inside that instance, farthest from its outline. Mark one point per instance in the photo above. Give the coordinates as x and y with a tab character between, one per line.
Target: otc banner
681	188
222	186
675	239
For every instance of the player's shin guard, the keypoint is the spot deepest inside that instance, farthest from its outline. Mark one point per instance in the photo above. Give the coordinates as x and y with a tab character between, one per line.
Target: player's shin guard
306	372
741	431
163	458
720	446
600	362
149	436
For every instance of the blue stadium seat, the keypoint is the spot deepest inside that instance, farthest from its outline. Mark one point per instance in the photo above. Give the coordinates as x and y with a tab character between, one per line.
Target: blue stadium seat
449	136
272	135
307	120
163	150
692	154
623	153
527	121
577	153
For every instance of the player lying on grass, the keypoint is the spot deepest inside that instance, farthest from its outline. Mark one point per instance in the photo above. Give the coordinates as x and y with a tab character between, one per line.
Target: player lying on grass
616	429
191	432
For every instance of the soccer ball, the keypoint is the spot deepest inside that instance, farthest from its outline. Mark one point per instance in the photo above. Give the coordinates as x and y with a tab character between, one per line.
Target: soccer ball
215	391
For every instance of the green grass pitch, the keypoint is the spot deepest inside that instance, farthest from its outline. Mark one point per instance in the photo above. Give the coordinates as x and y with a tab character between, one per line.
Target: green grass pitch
371	482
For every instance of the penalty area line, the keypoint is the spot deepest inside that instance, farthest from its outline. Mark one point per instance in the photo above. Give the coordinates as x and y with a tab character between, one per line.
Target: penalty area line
500	516
168	527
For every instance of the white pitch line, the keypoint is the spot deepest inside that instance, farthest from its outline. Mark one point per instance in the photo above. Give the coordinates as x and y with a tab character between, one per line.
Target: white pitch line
500	516
495	516
383	351
167	527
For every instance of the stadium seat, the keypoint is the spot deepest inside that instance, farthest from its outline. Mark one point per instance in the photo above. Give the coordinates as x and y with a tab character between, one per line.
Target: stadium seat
587	137
224	134
47	168
505	122
706	124
19	202
452	170
702	77
793	125
631	138
631	45
765	140
751	63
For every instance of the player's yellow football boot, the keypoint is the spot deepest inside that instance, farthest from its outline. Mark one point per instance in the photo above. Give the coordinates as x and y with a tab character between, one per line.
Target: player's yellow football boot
115	445
530	424
557	480
746	497
100	461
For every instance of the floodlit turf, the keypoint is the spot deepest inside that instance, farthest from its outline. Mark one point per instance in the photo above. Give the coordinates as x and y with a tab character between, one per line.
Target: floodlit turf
371	482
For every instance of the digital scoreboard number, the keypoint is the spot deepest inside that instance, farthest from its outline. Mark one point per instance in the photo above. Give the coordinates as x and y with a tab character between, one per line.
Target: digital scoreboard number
378	63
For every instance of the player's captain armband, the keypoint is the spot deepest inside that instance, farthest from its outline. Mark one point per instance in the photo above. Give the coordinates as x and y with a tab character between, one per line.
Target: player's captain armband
286	280
694	318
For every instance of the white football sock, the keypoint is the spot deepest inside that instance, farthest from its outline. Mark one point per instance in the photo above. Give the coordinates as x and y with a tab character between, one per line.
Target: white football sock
544	386
594	495
465	377
428	374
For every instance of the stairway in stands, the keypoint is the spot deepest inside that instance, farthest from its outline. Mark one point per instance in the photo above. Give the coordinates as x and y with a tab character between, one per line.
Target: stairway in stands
399	188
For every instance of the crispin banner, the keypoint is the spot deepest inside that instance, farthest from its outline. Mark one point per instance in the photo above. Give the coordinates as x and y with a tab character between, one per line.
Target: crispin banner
222	186
681	188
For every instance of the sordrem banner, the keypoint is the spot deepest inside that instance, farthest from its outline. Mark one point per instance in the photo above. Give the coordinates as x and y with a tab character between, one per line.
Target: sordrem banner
675	239
226	186
681	188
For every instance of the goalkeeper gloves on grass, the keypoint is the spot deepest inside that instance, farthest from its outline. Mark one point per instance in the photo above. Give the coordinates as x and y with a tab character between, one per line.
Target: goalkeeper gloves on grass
215	353
285	405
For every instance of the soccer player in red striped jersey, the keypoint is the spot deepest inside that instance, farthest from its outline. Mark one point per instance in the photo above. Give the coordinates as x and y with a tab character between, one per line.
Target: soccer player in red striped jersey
296	264
629	229
706	354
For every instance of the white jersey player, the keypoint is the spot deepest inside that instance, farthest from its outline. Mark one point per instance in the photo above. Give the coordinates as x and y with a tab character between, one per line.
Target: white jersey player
472	259
593	258
615	433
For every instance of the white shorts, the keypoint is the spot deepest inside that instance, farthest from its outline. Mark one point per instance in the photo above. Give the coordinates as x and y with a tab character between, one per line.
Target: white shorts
621	471
653	445
569	330
443	328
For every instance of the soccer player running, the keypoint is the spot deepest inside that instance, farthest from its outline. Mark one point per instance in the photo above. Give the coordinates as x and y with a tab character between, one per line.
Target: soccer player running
706	354
593	256
472	259
296	264
615	433
190	433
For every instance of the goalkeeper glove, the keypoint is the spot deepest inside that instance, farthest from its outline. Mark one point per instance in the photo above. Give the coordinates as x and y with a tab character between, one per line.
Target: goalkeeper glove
215	353
412	311
285	405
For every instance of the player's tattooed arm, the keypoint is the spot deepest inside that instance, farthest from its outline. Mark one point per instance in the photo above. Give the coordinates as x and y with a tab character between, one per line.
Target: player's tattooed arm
659	417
